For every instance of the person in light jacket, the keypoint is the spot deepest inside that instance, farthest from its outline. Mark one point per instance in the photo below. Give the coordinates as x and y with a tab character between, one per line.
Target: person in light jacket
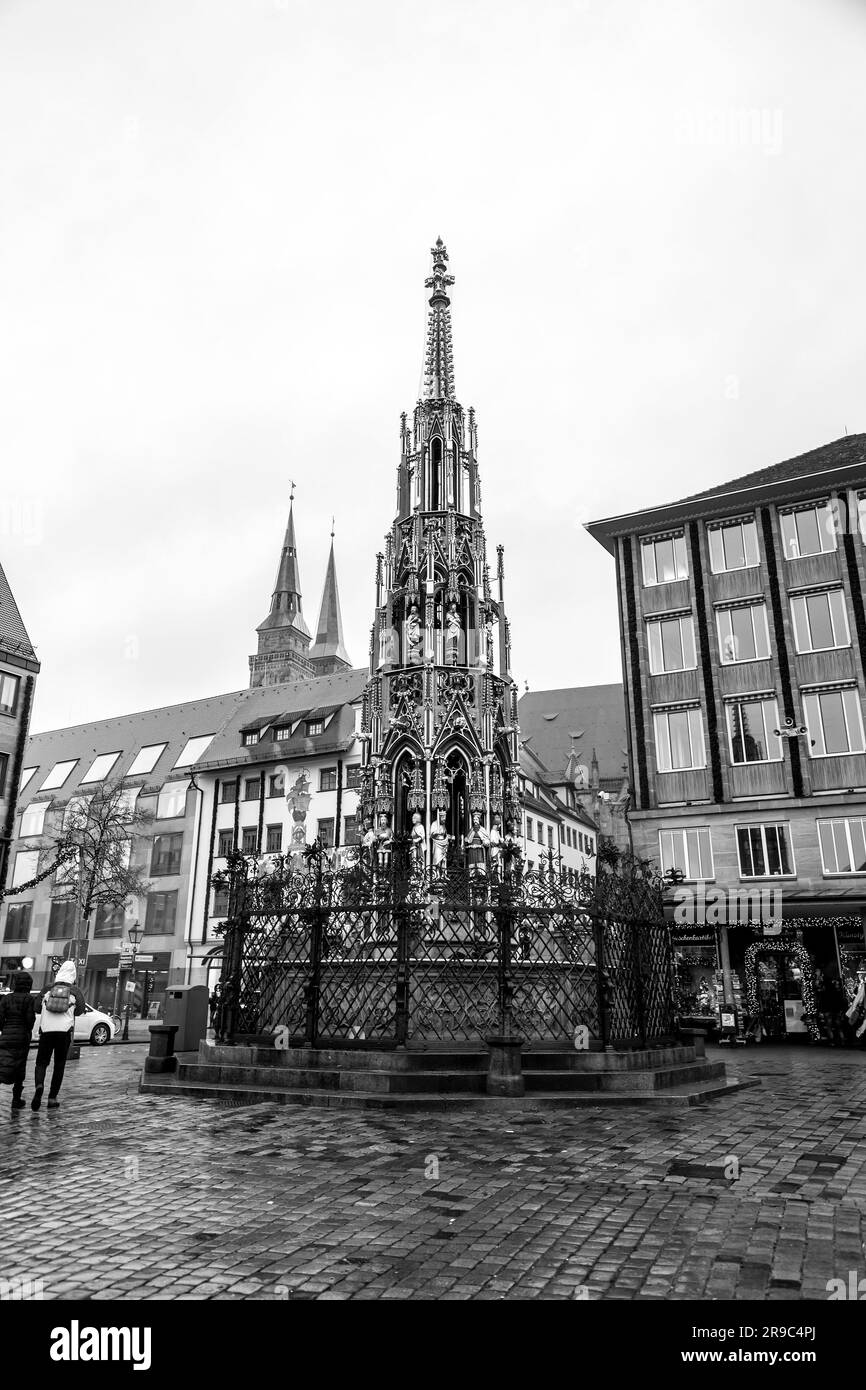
61	1003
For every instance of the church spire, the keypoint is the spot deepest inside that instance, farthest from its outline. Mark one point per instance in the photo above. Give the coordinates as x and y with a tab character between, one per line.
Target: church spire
328	653
439	359
284	638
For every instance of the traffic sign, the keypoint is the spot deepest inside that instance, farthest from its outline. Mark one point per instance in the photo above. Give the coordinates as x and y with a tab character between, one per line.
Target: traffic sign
140	958
131	986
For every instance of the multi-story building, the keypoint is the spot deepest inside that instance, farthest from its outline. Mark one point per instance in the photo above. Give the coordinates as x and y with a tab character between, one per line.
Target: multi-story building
18	671
744	648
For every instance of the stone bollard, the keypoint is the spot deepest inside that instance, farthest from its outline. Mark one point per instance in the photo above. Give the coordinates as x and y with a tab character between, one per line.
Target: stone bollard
505	1073
161	1057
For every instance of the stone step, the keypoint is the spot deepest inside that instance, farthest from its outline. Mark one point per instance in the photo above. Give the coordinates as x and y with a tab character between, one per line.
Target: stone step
659	1078
554	1059
322	1079
673	1097
347	1059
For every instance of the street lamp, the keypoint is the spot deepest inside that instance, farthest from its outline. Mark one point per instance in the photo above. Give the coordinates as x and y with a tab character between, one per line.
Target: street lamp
135	934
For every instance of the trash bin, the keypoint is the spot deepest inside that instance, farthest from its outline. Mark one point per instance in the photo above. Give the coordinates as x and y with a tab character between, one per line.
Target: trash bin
187	1006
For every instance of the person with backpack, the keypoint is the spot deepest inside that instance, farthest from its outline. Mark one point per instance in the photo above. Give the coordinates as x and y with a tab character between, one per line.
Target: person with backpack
61	1004
17	1017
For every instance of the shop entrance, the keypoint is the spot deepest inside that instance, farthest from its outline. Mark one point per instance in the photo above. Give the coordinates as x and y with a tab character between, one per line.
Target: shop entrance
780	984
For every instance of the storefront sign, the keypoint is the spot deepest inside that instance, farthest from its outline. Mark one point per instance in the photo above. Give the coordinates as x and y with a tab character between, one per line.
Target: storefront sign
693	936
728	1019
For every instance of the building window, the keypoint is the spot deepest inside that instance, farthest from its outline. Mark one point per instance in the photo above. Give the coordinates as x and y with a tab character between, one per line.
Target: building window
100	767
326	832
171	801
4	772
807	531
750	731
61	921
313	727
225	844
834	722
220	902
550	837
26	774
590	845
529	827
109	920
671	644
743	634
229	793
33	819
353	777
282	732
161	913
820	621
252	788
193	749
9	687
249	840
690	851
146	759
580	840
679	738
18	922
350	830
764	851
58	774
328	779
275	839
26	866
165	857
250	737
843	846
275	785
733	546
664	559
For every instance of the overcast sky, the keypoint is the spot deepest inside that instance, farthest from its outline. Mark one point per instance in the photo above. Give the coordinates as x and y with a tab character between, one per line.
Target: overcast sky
215	227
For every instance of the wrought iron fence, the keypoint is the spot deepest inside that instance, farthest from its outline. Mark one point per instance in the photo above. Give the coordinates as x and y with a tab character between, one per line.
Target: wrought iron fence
386	955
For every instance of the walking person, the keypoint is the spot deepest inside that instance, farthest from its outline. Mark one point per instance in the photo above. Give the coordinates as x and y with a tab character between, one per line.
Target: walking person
17	1017
61	1002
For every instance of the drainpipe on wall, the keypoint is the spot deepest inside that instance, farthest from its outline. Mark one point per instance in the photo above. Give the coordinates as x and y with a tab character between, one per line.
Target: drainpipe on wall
194	786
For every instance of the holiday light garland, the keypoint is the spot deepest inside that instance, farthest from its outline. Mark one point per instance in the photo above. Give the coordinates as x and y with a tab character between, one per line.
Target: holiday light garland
784	948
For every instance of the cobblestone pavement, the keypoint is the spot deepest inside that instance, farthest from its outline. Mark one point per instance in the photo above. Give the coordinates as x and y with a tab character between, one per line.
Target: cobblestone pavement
173	1198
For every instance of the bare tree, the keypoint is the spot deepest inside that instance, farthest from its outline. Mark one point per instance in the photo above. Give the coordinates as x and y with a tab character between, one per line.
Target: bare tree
92	852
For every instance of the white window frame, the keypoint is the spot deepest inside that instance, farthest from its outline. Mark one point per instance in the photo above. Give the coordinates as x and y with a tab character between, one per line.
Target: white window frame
718	528
109	758
802	625
756	606
172	791
847	822
69	764
815	742
764	826
157	749
769	725
26	866
250	737
32	811
663	740
656	622
826	529
191	746
685	857
10	708
649	568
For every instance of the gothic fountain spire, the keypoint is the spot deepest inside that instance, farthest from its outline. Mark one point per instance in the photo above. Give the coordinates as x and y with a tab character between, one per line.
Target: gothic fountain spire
439	357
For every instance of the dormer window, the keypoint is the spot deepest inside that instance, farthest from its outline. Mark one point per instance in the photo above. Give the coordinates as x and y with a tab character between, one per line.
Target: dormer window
250	737
314	727
282	732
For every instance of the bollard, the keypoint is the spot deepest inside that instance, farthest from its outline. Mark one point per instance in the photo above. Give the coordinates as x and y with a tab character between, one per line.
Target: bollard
505	1073
161	1056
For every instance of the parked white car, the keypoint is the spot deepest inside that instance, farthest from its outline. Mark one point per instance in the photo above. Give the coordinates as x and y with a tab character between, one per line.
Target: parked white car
92	1027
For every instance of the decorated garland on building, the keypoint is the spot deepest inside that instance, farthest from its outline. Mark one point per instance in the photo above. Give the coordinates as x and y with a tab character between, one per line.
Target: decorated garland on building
783	947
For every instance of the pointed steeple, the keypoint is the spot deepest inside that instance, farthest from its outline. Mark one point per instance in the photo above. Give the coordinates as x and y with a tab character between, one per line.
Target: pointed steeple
439	359
286	598
284	638
328	653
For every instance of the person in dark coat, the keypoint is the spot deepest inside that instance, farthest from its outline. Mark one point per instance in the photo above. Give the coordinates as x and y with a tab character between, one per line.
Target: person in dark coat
17	1017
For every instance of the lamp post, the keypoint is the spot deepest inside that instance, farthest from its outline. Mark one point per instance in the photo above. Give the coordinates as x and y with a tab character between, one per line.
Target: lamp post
135	934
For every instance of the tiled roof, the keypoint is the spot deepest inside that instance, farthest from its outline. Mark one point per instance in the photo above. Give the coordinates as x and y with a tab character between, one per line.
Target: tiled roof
841	453
594	712
223	716
13	633
287	703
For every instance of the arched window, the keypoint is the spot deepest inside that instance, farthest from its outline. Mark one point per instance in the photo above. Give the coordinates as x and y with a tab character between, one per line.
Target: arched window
436	475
